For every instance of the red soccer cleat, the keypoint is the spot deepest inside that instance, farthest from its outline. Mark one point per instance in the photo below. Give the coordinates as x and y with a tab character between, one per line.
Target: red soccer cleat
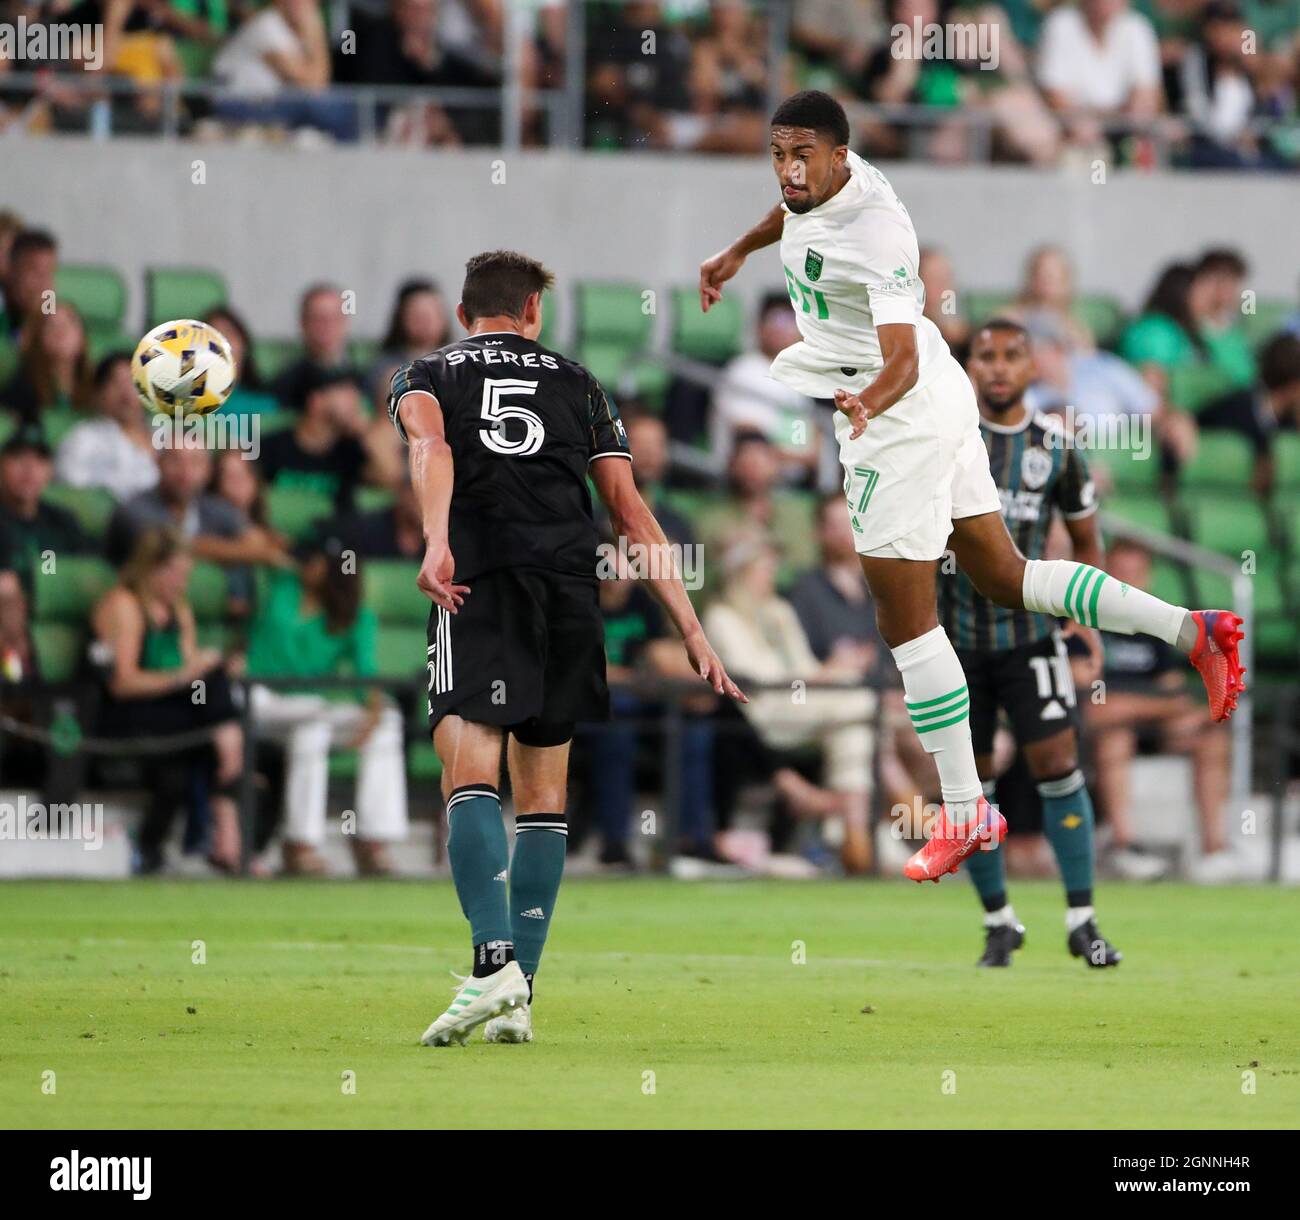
947	848
1215	657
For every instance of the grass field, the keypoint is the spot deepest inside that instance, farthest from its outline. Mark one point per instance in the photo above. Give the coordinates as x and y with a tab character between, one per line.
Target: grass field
304	982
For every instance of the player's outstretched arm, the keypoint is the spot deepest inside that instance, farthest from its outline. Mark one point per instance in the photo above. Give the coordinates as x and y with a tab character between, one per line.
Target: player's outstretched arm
716	271
633	520
431	477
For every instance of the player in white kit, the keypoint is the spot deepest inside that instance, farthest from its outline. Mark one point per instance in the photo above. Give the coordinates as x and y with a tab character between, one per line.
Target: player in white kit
916	472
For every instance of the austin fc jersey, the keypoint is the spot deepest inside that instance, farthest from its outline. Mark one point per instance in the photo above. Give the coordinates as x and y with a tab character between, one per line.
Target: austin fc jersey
1038	472
523	424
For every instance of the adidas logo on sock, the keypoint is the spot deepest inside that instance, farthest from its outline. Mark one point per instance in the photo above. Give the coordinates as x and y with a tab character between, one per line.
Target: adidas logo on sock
501	876
532	913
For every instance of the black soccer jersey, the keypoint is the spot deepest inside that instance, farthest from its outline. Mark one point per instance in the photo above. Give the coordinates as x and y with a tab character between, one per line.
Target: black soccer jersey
1037	471
523	424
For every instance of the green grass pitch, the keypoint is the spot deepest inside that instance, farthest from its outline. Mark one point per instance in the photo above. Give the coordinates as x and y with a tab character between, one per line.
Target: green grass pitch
660	1004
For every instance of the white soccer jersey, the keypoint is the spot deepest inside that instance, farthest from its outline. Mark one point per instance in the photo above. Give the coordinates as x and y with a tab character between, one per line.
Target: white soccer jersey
851	265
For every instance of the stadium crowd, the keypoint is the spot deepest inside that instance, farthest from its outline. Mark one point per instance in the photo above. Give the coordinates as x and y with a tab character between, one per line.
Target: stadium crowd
134	573
1037	80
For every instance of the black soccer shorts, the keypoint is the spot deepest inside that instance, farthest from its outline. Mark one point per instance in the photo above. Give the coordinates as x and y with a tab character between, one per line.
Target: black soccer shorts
1031	684
526	651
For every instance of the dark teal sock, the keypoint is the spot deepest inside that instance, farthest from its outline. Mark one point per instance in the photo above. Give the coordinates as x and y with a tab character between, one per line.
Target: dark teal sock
1067	823
988	872
535	872
480	858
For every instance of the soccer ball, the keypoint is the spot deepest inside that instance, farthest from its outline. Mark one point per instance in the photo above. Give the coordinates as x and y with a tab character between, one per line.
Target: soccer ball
183	368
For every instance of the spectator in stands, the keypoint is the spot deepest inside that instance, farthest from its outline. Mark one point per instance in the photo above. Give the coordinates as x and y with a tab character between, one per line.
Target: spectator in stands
250	396
53	372
902	73
393	532
647	438
839	34
23	759
748	400
325	327
1259	411
942	301
753	503
213	528
29	276
1213	86
115	450
639	644
758	635
33	534
419	324
1047	296
332	447
1147	701
1099	60
236	481
728	83
1162	336
276	69
405	47
148	647
312	625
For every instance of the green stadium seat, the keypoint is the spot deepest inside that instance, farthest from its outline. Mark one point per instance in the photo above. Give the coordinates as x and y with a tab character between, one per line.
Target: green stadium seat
293	510
1101	314
1229	525
272	355
58	649
371	499
714	337
58	422
613	313
277	421
422	761
9	355
605	362
1129	470
103	340
1194	386
550	320
1169	582
207	592
182	292
1148	511
92	506
649	381
981	306
99	293
68	594
1222	459
402	651
363	353
1286	460
195	57
1268	318
392	594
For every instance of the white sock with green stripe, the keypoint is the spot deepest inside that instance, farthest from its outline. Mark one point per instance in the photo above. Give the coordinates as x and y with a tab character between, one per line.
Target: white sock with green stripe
1090	597
939	705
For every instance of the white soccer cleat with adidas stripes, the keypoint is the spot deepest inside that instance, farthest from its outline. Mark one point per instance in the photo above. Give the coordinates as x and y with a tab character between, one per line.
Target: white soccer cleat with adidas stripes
515	1026
478	1000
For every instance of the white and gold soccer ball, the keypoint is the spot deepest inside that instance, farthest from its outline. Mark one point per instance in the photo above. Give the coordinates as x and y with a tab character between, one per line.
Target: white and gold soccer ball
183	368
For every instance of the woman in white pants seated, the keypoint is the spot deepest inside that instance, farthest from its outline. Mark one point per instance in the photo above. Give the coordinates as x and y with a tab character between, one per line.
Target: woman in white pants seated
310	624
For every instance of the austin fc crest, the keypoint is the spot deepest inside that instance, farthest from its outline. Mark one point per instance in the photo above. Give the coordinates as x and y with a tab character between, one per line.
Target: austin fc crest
812	265
1035	468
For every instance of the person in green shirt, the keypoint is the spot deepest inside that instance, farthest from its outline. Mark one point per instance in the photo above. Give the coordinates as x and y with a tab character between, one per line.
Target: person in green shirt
309	624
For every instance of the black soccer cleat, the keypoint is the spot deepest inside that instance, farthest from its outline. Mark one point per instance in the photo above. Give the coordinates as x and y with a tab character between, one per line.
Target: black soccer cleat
1086	942
1000	942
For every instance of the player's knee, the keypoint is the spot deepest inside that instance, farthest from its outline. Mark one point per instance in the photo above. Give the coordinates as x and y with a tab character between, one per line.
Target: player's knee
1052	759
540	797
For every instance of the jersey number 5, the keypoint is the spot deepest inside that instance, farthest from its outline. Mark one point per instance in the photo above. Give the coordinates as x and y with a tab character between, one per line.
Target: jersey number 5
497	411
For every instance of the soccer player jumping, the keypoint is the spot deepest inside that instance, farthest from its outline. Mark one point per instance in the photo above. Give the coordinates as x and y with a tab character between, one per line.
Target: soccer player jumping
916	473
503	434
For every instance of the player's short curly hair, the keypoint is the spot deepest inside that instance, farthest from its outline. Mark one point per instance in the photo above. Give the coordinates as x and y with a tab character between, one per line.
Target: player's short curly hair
815	110
499	282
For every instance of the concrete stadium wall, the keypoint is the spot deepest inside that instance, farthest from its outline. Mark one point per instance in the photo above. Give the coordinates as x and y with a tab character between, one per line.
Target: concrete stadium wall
274	219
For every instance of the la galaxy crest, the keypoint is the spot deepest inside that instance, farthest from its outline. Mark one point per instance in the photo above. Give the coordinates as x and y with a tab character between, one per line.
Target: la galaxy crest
812	265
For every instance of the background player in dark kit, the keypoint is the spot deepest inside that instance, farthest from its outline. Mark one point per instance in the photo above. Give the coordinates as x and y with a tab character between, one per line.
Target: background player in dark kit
1015	660
502	435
